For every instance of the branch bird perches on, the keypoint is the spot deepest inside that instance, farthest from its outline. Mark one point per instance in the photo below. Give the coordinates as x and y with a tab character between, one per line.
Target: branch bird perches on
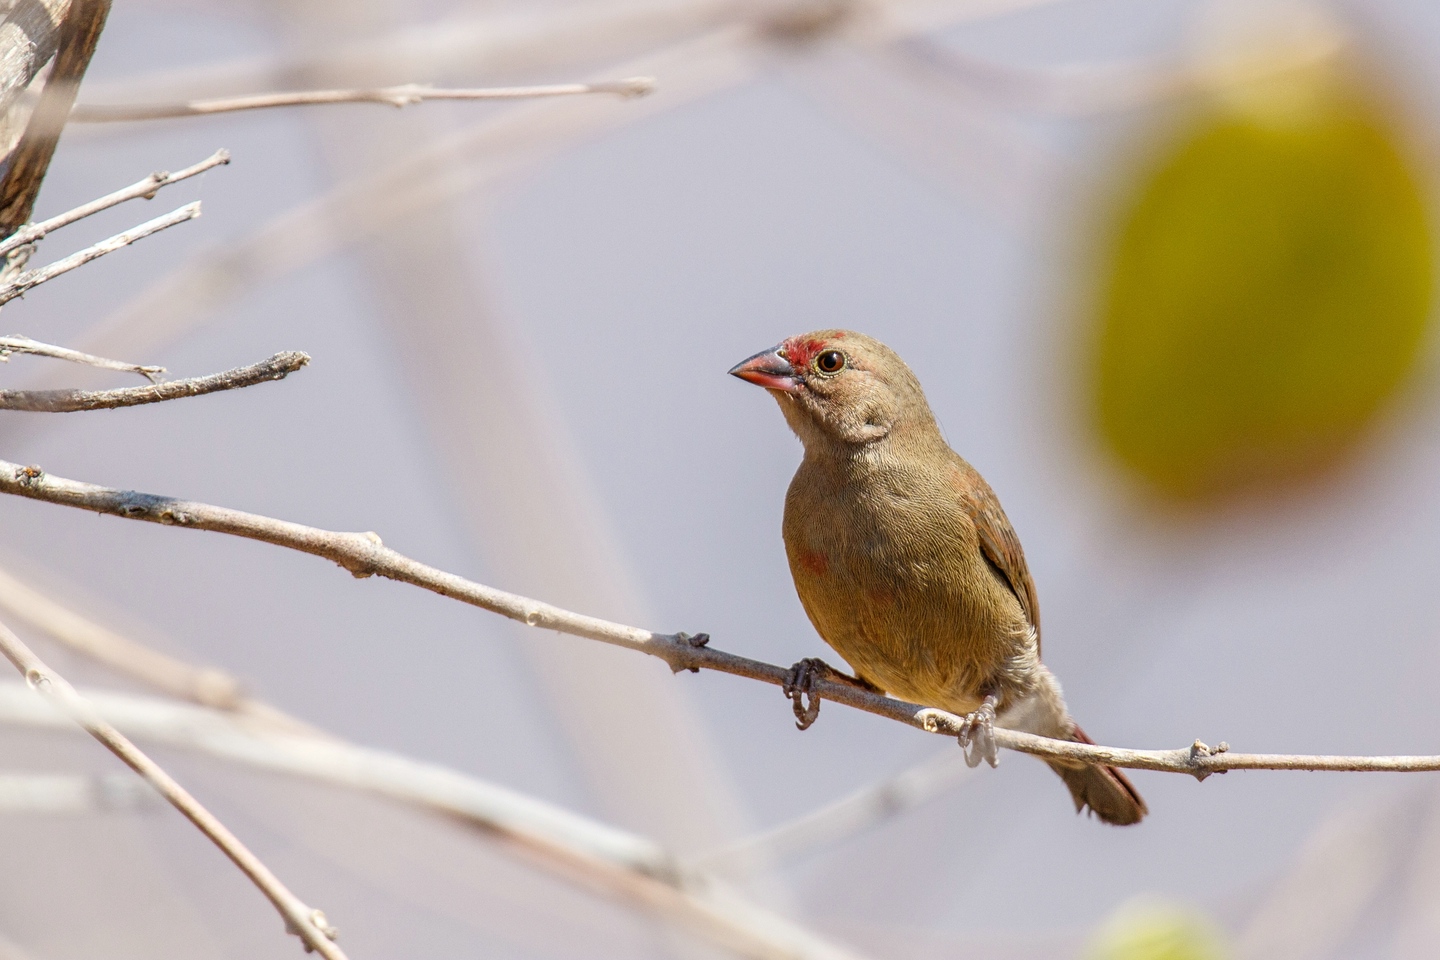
365	555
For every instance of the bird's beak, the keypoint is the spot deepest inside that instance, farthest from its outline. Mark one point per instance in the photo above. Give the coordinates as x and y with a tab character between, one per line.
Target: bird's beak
770	370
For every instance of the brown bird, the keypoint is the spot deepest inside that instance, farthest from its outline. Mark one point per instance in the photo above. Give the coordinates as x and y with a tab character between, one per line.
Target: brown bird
904	561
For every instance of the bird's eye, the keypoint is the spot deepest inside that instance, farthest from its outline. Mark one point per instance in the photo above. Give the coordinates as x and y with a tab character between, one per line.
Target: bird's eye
830	361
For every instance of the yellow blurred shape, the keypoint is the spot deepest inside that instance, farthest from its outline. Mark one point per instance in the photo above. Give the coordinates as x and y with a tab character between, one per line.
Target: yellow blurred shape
1268	291
1148	929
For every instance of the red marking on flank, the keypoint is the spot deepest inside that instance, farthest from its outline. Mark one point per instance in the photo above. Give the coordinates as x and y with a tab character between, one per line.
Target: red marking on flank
815	562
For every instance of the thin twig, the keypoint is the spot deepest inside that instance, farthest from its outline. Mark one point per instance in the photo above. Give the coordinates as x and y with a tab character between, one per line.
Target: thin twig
22	344
398	96
277	367
79	33
364	555
33	278
146	188
603	857
307	923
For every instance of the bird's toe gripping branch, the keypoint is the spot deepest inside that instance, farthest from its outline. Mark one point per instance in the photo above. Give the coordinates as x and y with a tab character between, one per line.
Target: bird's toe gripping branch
799	686
977	734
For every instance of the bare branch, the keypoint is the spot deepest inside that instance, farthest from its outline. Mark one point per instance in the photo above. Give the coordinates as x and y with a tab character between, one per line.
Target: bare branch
364	555
603	857
30	279
397	96
16	343
277	367
79	33
307	923
146	188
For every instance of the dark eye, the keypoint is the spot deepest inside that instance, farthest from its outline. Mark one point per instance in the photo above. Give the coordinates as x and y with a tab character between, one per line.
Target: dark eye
830	361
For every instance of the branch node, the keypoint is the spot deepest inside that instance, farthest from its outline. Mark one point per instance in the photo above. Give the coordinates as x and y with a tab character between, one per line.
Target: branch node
684	640
29	476
1199	751
930	720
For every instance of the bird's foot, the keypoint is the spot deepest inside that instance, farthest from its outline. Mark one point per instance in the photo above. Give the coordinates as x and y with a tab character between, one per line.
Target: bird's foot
799	686
977	734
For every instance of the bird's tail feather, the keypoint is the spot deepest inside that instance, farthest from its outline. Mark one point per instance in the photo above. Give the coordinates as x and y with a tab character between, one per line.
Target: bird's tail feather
1105	790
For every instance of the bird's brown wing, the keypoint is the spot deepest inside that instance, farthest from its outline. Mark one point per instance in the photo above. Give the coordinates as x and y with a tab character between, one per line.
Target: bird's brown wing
999	543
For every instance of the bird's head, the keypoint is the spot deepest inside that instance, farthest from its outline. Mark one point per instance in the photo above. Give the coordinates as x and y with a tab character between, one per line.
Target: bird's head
837	386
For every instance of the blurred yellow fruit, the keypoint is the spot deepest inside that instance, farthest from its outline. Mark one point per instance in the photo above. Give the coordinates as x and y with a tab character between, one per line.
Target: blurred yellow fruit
1267	293
1156	930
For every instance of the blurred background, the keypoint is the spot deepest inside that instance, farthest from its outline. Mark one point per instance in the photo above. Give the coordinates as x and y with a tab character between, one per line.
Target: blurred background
1165	268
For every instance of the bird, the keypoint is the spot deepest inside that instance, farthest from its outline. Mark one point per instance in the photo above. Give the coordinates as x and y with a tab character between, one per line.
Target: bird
905	562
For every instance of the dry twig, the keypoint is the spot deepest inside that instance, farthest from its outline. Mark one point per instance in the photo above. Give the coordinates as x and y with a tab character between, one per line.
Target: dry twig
146	188
78	35
403	95
21	283
16	343
277	367
364	555
307	923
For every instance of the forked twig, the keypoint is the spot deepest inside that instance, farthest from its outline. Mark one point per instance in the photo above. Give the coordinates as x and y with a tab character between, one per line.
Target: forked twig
146	188
30	279
305	922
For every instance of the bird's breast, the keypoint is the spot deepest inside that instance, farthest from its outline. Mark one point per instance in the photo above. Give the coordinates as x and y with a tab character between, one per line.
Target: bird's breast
892	577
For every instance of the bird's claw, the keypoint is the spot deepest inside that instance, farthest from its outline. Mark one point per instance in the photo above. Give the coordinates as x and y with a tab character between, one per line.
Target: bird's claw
799	686
977	735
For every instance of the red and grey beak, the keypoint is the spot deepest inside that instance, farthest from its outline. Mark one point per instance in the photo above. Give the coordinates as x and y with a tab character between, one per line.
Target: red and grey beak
768	369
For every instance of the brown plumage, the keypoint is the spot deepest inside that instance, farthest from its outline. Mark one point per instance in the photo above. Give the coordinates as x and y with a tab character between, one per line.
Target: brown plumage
904	560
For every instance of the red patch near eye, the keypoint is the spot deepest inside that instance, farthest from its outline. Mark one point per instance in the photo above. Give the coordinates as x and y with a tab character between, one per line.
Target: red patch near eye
815	562
800	351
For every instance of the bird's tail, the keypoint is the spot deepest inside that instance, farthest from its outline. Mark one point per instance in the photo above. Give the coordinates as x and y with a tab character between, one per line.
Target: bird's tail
1105	790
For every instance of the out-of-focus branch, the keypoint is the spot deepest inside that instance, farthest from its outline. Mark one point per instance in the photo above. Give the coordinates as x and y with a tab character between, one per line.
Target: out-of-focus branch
21	344
251	731
398	96
79	34
602	857
146	188
364	555
52	793
307	923
836	821
277	367
209	687
24	282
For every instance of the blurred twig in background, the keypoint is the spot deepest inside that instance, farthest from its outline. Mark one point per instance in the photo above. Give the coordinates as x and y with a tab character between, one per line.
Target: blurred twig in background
401	96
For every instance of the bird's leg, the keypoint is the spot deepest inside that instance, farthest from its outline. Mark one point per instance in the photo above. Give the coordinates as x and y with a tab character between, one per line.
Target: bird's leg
799	686
977	733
